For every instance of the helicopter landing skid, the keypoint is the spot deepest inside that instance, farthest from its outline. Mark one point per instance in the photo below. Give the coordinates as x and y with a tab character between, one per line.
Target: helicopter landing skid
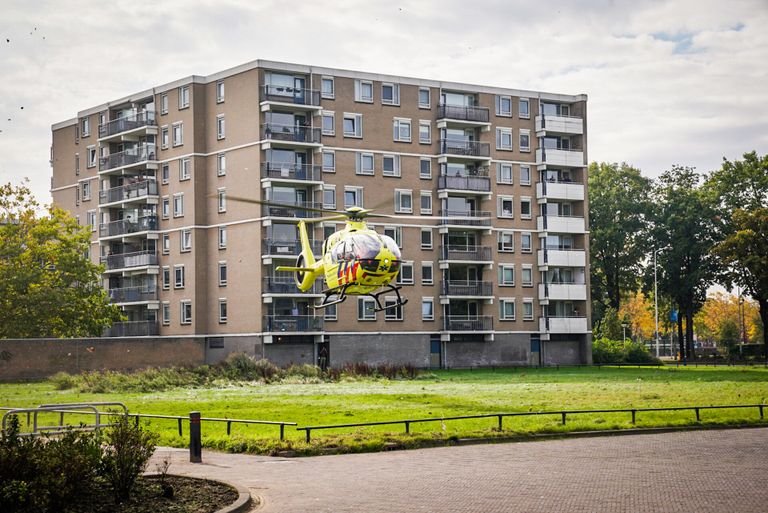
390	288
341	296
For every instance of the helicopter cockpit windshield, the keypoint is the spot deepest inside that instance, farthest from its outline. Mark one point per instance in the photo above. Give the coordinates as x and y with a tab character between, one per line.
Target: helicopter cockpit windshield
363	246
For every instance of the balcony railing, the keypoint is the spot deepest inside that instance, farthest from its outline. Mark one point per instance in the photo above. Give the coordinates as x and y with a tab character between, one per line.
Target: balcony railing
135	155
565	256
563	324
561	157
470	182
475	114
133	329
286	285
560	224
466	288
139	189
291	171
287	248
468	253
560	124
294	95
465	218
292	210
126	226
290	133
292	323
133	294
124	124
468	323
127	260
465	148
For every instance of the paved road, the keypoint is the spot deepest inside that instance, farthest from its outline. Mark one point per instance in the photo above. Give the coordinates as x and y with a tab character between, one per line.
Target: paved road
698	471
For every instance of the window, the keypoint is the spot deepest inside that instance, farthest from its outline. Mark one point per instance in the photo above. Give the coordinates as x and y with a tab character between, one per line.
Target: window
166	277
363	91
528	309
390	94
221	131
506	207
178	276
91	156
329	197
507	275
525	242
353	196
426	202
164	103
425	132
186	240
425	169
90	218
85	127
353	125
222	311
329	161
77	163
395	233
366	309
427	309
526	276
86	186
503	106
503	138
504	173
178	204
165	173
390	165
185	169
426	238
406	274
524	108
178	133
401	131
183	97
165	209
525	208
77	196
222	274
329	123
506	242
166	313
330	313
327	89
222	199
403	201
426	273
221	164
164	137
364	163
166	244
507	309
424	102
525	140
392	311
220	91
525	175
186	311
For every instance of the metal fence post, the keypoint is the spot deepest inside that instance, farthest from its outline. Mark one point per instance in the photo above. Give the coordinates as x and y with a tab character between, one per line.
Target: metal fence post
195	445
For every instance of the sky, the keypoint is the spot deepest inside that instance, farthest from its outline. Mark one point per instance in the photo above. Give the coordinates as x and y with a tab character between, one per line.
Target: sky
669	82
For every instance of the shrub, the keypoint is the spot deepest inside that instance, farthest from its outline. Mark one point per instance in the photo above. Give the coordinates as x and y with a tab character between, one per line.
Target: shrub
63	381
125	456
616	351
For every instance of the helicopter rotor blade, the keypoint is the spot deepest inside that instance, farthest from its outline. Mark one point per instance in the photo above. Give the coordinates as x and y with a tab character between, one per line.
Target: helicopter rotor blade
283	205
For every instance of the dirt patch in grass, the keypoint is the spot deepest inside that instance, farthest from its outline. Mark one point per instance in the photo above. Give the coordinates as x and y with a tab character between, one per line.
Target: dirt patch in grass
190	495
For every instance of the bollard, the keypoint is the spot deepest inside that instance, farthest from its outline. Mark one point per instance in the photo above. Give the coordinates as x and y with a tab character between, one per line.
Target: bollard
195	445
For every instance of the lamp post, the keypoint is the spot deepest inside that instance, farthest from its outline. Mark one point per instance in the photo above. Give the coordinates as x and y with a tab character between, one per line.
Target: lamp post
656	300
624	326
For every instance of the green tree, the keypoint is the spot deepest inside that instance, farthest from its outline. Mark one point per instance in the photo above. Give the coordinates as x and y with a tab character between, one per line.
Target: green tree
611	326
48	285
729	335
618	209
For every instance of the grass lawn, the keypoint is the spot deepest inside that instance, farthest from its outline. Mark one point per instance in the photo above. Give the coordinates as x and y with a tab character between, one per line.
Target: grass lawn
443	394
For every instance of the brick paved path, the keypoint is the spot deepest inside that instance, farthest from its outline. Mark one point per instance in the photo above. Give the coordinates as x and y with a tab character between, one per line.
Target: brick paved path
699	471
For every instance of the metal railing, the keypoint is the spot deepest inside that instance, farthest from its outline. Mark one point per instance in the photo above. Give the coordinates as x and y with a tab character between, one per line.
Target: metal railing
465	217
466	253
468	323
132	329
466	288
133	294
290	133
465	148
61	409
131	122
464	183
292	323
135	190
291	171
126	226
287	248
139	153
292	210
126	260
294	95
464	113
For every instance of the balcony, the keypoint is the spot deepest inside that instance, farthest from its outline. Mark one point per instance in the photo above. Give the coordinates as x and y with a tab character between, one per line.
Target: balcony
560	224
570	191
139	154
470	149
290	135
468	115
463	218
133	294
287	285
287	248
127	124
547	124
468	323
563	291
129	192
562	257
129	260
133	329
466	288
563	325
479	182
292	323
295	96
127	226
555	157
292	210
466	253
291	172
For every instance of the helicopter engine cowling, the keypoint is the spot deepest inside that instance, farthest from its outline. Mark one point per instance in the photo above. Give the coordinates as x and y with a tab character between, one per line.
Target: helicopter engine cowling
304	279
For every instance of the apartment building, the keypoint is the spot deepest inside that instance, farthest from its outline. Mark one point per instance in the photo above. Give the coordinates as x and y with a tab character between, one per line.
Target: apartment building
496	273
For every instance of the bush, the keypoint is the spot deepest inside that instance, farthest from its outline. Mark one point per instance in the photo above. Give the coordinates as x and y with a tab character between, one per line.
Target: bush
125	456
616	351
63	381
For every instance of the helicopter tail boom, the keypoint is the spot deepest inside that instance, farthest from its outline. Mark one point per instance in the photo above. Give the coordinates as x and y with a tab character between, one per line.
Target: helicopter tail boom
306	270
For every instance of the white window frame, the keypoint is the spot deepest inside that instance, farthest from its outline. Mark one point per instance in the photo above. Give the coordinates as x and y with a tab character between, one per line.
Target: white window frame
393	313
524	133
184	96
359	91
395	233
333	156
397	126
85	127
501	212
422	209
427	105
220	91
179	276
520	103
395	165
500	98
331	312
363	314
90	218
164	103
165	277
526	268
178	204
503	281
529	200
86	188
522	180
185	169
221	164
222	314
185	319
429	168
327	204
428	265
502	246
177	131
500	175
165	173
501	133
185	241
360	159
528	301
431	238
332	115
91	153
221	127
222	237
221	199
166	313
165	207
165	137
357	120
395	94
222	265
400	194
431	316
530	239
165	244
358	195
401	280
428	125
502	310
323	94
